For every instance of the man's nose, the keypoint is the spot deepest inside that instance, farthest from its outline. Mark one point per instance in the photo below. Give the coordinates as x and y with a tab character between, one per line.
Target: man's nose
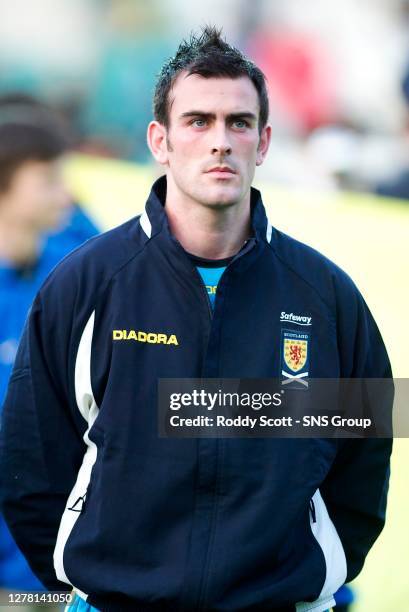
221	142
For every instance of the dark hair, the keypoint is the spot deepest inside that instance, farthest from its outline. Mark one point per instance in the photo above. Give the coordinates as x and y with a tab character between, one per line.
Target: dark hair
29	131
208	55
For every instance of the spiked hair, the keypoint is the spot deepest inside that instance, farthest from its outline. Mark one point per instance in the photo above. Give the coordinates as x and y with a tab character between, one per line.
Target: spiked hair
207	55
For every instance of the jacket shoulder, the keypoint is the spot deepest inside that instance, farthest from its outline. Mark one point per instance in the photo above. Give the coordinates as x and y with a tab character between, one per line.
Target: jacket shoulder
91	266
325	277
360	345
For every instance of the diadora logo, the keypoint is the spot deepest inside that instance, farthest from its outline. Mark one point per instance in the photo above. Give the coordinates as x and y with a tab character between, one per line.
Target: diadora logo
292	318
141	336
211	289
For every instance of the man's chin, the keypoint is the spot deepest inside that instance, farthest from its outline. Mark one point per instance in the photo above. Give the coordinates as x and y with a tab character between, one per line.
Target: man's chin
222	196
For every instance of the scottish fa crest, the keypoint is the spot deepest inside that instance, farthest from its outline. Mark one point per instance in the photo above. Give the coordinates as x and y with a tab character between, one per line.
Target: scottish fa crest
295	354
295	358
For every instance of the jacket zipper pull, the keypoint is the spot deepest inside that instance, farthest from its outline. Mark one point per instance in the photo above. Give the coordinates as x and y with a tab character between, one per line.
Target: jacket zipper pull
312	510
82	498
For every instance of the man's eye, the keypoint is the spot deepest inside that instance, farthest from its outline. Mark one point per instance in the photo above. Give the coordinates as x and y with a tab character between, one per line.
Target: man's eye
198	122
240	124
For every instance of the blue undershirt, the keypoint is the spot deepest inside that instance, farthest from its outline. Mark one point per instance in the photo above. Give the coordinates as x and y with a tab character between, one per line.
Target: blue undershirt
210	271
210	278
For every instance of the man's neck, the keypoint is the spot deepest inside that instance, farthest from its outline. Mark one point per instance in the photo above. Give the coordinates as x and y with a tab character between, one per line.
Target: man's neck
211	233
19	244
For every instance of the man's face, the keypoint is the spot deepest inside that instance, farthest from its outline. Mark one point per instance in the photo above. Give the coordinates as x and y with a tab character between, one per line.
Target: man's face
213	141
37	196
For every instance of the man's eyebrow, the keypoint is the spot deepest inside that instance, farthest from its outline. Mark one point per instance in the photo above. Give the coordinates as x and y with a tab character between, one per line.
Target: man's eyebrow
243	115
230	116
197	113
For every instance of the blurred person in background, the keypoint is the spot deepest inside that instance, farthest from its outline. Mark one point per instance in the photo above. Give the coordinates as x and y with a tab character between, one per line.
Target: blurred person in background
38	226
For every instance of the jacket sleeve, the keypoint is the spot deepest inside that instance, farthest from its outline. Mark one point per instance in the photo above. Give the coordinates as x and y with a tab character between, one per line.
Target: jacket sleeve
355	490
41	446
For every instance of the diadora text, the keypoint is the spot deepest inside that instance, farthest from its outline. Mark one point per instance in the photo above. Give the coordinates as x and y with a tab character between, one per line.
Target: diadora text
141	336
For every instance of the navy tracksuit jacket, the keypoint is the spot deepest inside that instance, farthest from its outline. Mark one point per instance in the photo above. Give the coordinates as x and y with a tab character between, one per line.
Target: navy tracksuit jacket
95	499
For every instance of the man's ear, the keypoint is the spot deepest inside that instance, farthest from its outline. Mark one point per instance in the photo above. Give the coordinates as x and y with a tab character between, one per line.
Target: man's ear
156	139
263	145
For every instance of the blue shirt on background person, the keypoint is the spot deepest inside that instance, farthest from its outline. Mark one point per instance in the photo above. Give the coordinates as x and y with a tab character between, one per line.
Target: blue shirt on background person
17	290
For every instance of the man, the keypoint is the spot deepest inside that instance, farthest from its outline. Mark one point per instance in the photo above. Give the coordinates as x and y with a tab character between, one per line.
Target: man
137	522
34	208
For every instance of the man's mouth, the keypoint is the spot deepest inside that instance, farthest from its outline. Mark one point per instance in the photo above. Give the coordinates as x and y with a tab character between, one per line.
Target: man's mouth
223	171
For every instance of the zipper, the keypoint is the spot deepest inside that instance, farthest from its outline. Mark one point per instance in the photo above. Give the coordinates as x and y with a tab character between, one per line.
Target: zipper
312	511
203	287
204	573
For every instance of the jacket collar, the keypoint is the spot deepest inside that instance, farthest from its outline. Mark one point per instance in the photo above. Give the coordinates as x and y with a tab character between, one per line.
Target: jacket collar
154	216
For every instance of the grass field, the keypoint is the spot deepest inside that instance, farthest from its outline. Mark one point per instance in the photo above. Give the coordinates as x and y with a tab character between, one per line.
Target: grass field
369	239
